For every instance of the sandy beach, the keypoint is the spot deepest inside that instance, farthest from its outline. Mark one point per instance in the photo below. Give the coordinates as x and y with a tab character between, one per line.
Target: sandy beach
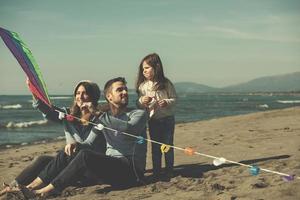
269	139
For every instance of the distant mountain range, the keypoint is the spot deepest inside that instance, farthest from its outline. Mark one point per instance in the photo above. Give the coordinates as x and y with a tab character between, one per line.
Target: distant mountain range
279	83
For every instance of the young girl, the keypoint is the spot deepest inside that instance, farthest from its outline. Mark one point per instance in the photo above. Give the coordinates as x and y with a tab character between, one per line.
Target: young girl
157	94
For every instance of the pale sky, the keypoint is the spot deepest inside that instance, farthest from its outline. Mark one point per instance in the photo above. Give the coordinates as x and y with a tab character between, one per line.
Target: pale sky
217	43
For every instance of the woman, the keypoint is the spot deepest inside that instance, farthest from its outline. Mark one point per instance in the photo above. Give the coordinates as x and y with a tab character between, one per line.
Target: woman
79	135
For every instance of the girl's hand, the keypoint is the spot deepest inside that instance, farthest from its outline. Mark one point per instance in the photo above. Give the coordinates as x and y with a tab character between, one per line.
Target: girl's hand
70	148
162	103
146	100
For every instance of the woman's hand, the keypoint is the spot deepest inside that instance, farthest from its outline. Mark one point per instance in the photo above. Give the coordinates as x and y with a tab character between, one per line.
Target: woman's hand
87	107
70	149
27	81
29	87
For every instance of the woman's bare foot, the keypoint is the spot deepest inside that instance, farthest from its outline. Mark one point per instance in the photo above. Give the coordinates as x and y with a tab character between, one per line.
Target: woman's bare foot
5	189
35	184
8	188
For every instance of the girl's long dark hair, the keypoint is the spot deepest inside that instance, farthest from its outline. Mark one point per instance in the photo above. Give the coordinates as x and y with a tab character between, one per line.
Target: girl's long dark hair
154	61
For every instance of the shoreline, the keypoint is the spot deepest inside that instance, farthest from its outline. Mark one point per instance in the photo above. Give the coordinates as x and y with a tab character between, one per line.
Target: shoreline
37	142
62	138
132	91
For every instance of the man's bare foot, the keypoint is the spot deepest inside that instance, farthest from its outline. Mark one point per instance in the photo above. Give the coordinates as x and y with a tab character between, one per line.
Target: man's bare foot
35	184
45	190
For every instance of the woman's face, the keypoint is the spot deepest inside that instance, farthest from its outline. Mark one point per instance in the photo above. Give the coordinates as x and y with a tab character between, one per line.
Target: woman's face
148	71
81	96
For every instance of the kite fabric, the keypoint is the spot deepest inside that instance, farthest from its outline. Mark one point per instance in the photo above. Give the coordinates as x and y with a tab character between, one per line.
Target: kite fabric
25	58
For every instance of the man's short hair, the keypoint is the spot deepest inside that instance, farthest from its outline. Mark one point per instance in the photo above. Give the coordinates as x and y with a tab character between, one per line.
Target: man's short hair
108	84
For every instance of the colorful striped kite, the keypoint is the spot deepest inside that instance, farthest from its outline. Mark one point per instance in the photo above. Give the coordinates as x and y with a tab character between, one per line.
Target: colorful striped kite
25	58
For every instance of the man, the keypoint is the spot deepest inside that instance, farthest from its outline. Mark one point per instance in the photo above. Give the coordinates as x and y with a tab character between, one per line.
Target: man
124	162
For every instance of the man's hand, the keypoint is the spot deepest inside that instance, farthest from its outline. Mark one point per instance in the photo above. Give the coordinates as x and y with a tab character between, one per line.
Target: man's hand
70	148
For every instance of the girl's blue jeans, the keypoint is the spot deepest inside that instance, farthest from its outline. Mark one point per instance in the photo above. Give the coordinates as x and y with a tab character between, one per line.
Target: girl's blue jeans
162	130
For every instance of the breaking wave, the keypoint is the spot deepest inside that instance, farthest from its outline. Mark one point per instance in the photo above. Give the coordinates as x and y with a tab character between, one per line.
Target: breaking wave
289	101
60	97
263	106
15	106
25	124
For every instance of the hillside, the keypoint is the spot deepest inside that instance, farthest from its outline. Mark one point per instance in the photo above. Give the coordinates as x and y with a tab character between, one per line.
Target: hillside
190	87
279	83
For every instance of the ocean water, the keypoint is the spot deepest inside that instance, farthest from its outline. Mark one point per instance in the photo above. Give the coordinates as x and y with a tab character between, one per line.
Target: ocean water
21	124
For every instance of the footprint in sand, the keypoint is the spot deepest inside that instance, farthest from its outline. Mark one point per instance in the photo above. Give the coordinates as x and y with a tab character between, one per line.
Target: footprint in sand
215	143
260	185
13	164
233	197
217	187
26	158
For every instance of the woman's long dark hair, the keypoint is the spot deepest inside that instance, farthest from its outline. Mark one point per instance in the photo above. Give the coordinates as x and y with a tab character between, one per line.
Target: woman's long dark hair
154	61
90	91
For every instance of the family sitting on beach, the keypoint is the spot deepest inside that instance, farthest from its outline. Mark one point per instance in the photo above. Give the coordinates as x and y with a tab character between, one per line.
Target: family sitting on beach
97	150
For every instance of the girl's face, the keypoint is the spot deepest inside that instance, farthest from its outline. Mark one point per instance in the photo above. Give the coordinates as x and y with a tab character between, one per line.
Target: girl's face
148	71
81	96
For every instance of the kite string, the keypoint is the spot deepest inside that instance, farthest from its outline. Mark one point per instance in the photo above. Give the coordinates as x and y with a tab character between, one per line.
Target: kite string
183	149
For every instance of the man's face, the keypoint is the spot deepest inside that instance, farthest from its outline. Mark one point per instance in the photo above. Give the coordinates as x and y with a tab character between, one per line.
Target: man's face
118	94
